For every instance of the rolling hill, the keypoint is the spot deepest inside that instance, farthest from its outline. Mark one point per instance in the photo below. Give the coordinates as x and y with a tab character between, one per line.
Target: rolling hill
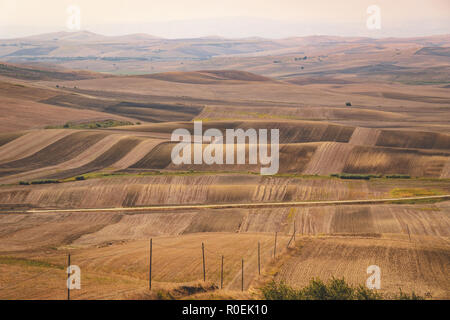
86	170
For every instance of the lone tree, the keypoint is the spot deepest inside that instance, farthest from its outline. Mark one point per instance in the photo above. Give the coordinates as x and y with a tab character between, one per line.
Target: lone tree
348	104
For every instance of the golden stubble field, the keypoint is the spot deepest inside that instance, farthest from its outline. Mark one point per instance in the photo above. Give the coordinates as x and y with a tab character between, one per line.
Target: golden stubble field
408	242
420	265
111	270
363	115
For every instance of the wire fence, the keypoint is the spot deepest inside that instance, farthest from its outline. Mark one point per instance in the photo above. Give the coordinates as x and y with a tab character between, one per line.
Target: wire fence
241	278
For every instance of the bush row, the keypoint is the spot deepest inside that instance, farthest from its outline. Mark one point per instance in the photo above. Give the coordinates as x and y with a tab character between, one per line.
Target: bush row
334	289
45	181
39	182
369	176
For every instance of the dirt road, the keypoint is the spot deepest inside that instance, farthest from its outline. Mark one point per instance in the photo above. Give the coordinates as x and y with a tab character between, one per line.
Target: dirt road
239	205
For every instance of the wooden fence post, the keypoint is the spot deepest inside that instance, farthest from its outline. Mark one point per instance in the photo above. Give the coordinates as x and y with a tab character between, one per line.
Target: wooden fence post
275	246
68	277
242	280
204	267
150	266
259	258
221	275
295	220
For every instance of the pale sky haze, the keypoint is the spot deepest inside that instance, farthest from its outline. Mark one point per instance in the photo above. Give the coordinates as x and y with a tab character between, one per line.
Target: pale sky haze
230	18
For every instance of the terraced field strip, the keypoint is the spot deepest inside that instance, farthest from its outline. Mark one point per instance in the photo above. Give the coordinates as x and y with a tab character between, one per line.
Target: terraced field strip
240	205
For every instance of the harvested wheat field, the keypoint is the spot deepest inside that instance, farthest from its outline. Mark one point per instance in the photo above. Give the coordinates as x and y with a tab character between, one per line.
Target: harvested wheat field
128	190
306	148
405	265
406	241
111	270
27	231
87	170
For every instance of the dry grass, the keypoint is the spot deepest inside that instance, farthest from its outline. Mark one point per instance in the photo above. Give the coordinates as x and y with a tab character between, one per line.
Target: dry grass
411	266
391	128
21	232
122	268
196	188
112	250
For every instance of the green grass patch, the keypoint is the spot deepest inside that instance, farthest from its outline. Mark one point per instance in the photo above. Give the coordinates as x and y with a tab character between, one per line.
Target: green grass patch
28	262
99	175
418	201
415	192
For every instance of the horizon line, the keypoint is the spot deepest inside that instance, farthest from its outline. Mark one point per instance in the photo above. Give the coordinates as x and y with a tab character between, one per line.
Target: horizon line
222	37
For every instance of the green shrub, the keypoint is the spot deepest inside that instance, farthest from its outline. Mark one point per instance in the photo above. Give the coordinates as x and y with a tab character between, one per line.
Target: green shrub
338	289
92	124
44	181
397	176
24	183
280	291
355	176
405	296
316	290
334	289
363	293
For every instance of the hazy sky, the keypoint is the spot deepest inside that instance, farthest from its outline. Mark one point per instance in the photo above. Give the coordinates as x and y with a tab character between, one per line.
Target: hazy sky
184	18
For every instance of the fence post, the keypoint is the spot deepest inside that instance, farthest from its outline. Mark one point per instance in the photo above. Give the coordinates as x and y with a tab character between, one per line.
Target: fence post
259	258
409	235
295	220
203	254
68	277
275	246
292	237
221	275
242	280
303	225
150	266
